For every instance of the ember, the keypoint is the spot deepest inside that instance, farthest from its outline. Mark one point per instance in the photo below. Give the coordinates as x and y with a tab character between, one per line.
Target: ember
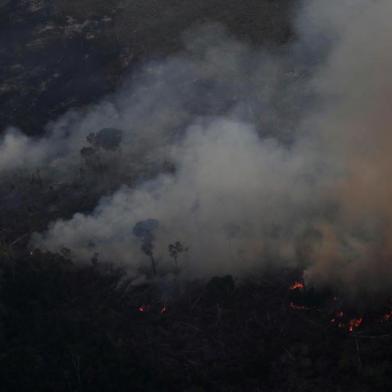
388	316
354	323
350	325
297	286
338	315
144	308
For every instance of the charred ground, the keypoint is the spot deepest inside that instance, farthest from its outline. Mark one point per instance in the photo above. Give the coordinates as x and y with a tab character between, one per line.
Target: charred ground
57	55
67	327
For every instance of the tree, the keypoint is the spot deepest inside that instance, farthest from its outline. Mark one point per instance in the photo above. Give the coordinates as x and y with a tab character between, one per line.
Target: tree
175	250
145	230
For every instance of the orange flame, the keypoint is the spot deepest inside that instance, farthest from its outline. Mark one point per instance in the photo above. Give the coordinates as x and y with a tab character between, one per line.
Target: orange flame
354	323
338	315
388	316
297	286
350	325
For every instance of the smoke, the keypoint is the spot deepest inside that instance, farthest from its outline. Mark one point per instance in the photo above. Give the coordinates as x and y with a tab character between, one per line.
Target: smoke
354	125
233	200
280	158
215	75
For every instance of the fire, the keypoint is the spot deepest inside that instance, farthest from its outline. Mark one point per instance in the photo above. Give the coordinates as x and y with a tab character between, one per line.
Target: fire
297	286
388	316
354	323
338	315
350	325
148	308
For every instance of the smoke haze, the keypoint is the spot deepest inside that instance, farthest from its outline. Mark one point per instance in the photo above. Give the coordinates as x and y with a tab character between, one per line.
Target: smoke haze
279	157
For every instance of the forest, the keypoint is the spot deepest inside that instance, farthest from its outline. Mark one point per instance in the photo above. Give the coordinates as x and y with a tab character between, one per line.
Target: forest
195	196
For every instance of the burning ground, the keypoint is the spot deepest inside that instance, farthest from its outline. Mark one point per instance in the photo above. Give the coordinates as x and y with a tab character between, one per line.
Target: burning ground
73	328
143	217
245	155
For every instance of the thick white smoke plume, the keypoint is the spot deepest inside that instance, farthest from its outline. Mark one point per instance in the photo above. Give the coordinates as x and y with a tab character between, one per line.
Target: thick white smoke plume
233	201
279	157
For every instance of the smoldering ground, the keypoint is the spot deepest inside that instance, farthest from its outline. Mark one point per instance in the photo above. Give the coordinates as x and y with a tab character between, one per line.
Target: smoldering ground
279	157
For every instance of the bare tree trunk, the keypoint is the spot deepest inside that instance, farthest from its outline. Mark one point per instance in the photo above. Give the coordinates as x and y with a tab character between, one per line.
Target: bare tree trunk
153	265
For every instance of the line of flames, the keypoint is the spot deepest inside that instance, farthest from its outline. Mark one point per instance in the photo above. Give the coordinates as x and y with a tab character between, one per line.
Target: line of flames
147	308
351	325
297	286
